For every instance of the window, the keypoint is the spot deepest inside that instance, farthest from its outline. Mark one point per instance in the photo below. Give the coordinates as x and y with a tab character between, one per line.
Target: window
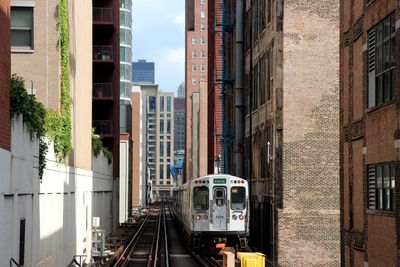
21	242
202	27
161	126
381	62
200	198
168	149
203	54
203	40
194	41
22	27
194	67
161	171
161	149
152	104
194	81
381	182
161	104
202	68
202	2
168	104
168	126
203	14
238	198
168	171
194	54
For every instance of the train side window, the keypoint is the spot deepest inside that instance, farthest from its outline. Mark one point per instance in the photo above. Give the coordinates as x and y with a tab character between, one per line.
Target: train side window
200	198
238	198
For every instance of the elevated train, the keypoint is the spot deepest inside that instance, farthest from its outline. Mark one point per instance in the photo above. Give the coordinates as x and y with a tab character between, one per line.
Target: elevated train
213	211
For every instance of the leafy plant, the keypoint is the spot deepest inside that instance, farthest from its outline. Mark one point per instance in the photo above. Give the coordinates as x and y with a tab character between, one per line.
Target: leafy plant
97	147
33	115
58	125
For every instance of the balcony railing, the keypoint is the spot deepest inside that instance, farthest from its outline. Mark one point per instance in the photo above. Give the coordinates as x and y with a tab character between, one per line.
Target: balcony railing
102	90
103	53
103	15
103	127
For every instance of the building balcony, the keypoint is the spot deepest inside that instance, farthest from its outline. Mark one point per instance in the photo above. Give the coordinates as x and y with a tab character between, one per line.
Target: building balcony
103	127
103	16
103	53
103	91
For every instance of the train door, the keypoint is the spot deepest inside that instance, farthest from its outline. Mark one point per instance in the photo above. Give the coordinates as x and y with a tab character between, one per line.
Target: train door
219	209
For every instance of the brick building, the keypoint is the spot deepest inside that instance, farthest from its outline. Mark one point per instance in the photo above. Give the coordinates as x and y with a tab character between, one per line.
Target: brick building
291	81
196	30
369	142
5	75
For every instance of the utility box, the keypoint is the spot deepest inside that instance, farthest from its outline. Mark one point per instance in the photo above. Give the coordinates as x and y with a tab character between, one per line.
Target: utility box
249	259
98	242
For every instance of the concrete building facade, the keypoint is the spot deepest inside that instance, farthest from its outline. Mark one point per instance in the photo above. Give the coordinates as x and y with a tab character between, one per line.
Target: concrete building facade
369	128
54	214
196	68
291	155
138	184
158	140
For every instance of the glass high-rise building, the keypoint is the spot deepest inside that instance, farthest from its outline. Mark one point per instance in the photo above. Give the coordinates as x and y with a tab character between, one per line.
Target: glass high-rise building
143	72
125	20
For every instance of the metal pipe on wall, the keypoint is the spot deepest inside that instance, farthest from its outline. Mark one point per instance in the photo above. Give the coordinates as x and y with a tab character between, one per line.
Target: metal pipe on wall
239	105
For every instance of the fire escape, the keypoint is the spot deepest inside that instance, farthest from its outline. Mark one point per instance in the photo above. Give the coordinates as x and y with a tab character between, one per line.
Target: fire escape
223	28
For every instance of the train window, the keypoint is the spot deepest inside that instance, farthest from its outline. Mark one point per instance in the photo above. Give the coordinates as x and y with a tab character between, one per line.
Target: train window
220	193
238	198
200	198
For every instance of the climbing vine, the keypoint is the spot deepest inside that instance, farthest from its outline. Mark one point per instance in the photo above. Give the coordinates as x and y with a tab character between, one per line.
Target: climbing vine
33	114
97	147
58	125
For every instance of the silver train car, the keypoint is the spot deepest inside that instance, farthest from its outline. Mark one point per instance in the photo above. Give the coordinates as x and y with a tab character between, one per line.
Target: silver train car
213	211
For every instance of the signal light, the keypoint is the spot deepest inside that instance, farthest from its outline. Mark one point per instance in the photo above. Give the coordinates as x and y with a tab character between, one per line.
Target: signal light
234	217
241	217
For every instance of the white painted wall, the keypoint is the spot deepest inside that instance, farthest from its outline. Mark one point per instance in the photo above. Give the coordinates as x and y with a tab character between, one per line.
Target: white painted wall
58	210
123	181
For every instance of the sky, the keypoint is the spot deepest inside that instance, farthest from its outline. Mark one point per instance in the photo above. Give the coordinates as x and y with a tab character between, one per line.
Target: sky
158	35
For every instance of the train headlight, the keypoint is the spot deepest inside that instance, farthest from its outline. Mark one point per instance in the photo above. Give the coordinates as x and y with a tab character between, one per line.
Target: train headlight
234	216
197	217
241	217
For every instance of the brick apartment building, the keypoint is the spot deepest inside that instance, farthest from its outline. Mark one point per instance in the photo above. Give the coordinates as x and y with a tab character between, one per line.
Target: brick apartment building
5	75
291	81
370	139
196	32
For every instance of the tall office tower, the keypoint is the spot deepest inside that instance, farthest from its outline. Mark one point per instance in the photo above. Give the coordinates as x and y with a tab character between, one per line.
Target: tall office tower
106	80
158	140
143	72
181	90
196	32
125	26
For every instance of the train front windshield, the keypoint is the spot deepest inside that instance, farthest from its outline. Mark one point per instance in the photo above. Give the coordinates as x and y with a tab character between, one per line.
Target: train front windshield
238	198
200	198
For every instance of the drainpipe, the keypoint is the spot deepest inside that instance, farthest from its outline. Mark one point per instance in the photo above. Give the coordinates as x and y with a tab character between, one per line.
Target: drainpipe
239	112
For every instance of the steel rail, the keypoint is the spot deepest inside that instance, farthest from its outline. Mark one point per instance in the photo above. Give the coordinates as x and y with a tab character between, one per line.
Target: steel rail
154	250
131	245
166	250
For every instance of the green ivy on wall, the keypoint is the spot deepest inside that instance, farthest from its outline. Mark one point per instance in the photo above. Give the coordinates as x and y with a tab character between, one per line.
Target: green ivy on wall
33	114
58	125
97	147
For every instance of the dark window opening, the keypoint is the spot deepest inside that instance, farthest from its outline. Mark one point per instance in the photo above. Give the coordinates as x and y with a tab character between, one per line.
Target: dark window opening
238	198
200	198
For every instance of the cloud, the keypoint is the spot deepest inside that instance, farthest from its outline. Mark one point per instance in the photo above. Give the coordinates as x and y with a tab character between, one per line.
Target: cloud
179	19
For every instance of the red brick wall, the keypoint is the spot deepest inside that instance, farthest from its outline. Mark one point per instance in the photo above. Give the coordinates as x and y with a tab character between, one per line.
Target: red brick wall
367	137
5	73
